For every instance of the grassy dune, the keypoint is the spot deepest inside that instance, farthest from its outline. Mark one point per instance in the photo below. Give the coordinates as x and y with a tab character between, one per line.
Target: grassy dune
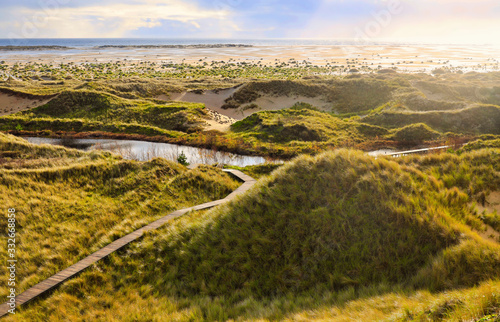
358	222
331	236
481	119
70	203
340	236
303	123
482	144
286	133
477	173
366	111
133	88
304	129
108	109
414	133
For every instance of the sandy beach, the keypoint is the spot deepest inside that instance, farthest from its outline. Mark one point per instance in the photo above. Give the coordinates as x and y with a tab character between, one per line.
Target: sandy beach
409	58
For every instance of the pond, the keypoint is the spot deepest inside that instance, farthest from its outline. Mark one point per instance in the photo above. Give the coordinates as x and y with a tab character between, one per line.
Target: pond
143	151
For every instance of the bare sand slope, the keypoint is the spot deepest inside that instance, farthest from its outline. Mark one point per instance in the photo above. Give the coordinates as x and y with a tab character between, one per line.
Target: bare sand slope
10	103
492	204
214	100
218	121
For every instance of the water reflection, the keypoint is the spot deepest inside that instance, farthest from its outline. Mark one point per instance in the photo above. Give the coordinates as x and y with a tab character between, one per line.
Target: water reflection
143	151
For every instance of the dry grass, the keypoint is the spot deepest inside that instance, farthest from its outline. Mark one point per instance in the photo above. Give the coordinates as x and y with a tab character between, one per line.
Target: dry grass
70	203
366	240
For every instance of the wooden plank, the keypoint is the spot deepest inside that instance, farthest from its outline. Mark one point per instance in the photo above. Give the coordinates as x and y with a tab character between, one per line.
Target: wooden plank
395	154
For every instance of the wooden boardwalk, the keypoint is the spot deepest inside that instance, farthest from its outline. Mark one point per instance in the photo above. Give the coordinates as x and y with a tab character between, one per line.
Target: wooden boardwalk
419	151
73	270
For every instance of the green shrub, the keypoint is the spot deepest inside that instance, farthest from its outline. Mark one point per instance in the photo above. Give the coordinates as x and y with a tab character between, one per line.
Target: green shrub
182	159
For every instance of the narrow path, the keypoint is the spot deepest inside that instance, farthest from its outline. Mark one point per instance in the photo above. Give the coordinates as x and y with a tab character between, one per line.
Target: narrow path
403	153
73	270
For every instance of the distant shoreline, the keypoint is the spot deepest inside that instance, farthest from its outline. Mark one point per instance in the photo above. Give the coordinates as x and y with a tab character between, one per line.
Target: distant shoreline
33	48
175	46
336	59
199	46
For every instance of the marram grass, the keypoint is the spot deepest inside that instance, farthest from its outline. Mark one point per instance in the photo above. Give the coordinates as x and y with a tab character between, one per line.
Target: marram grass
341	237
70	203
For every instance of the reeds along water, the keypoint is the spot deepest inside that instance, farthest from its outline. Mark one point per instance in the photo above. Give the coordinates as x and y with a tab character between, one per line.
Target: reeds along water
198	156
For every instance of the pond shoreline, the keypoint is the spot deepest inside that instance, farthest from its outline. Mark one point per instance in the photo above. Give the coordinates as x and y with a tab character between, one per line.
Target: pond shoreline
146	151
187	142
139	137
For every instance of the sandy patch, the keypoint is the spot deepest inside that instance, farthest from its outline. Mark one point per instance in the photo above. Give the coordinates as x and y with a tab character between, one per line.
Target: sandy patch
490	234
492	203
214	100
10	103
218	121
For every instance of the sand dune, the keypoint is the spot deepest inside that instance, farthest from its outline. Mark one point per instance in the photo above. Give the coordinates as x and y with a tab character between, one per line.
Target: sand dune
10	103
219	121
215	99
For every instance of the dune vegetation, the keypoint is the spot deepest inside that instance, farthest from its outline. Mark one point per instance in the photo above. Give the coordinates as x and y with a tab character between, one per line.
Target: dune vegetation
481	119
338	236
333	234
71	203
482	144
80	110
315	110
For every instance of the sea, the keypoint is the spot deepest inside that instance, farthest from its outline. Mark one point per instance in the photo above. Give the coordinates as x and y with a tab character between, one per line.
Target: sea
85	43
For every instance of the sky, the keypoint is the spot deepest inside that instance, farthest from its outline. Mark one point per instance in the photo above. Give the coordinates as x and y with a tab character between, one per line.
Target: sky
434	21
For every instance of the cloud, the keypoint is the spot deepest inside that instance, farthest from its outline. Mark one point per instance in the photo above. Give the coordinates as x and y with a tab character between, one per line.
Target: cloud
111	19
420	20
